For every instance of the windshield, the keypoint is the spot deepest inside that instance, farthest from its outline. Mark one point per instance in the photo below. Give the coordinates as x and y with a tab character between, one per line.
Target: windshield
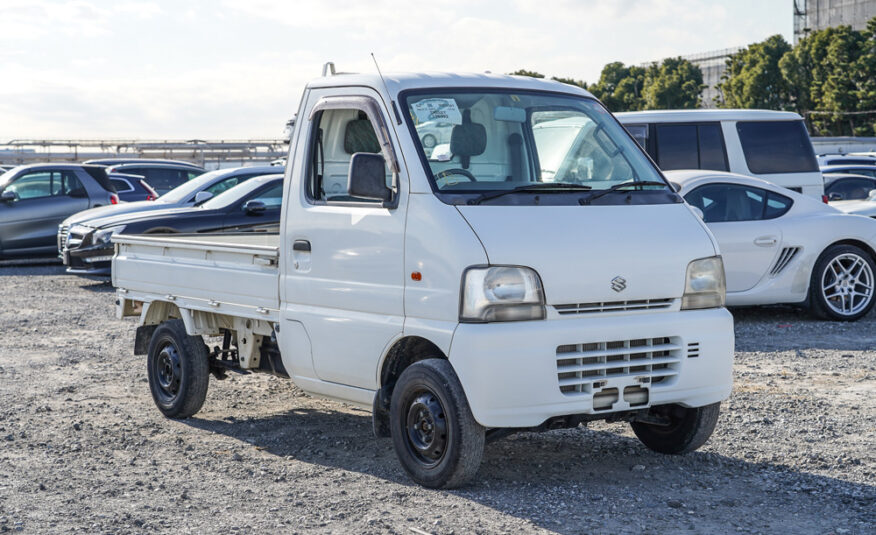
231	196
7	176
185	190
490	141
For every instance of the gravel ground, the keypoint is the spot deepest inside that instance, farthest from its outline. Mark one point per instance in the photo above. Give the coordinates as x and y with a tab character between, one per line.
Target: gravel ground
82	448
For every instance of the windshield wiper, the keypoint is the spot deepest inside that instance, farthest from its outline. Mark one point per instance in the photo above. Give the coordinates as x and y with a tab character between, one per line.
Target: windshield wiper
618	187
538	187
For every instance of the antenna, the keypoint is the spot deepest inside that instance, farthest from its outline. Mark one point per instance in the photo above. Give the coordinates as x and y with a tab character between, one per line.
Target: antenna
398	119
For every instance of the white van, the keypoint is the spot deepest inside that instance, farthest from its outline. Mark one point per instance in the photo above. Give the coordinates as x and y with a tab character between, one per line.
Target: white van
772	145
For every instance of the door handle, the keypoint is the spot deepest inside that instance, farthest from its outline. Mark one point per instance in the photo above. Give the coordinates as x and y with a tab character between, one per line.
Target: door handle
765	241
302	246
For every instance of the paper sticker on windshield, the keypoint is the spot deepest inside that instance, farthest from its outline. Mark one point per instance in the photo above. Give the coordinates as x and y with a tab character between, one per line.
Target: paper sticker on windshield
444	110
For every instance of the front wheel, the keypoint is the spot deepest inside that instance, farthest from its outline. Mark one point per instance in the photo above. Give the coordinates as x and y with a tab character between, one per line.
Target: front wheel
686	429
842	284
178	368
435	436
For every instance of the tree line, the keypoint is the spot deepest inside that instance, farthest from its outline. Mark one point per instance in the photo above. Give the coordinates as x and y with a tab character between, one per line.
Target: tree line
828	77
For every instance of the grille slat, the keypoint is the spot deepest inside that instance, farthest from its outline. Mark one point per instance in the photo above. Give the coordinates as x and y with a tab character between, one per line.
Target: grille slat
581	366
613	306
785	257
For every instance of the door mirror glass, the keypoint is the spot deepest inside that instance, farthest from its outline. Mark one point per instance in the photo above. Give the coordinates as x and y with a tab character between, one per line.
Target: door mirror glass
202	196
8	196
78	193
367	178
254	207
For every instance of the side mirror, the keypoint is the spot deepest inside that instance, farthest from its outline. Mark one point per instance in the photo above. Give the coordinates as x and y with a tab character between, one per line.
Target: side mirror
872	195
254	207
367	177
835	197
202	196
8	196
697	211
78	193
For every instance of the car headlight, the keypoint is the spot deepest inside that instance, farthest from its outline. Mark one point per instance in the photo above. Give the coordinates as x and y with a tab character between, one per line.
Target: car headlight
103	235
705	285
501	293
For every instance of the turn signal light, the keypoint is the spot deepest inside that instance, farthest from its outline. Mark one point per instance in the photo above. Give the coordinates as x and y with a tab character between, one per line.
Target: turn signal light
114	199
824	199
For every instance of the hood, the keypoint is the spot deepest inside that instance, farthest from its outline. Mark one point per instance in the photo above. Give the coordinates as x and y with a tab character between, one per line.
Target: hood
113	210
578	250
130	218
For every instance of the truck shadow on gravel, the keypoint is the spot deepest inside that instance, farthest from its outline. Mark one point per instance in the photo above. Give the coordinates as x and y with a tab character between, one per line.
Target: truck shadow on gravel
563	480
786	328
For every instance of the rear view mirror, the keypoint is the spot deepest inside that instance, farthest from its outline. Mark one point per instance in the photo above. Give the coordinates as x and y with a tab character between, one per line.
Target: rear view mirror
78	193
8	196
509	114
254	207
202	196
367	178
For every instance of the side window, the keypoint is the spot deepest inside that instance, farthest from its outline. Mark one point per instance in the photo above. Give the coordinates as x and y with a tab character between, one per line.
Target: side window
776	147
191	174
677	147
851	188
32	185
691	146
639	133
865	172
67	183
272	197
337	135
224	185
121	185
722	203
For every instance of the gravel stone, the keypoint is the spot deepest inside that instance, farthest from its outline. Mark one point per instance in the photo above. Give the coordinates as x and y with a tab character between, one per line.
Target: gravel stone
793	451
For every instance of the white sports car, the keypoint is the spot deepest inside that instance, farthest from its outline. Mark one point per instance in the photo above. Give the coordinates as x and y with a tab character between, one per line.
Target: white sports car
782	247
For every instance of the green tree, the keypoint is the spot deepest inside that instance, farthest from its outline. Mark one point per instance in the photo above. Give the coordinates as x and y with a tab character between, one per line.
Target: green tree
754	79
620	87
676	83
864	77
524	72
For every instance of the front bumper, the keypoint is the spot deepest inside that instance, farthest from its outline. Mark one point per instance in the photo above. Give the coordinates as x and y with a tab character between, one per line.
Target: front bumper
89	260
512	372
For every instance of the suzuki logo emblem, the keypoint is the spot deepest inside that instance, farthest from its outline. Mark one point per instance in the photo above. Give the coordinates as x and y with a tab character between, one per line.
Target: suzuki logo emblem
618	284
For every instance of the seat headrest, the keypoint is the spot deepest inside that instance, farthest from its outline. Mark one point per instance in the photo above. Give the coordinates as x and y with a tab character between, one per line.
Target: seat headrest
468	139
359	136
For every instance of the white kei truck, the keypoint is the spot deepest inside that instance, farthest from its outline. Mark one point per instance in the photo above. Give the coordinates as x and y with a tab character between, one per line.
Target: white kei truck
523	276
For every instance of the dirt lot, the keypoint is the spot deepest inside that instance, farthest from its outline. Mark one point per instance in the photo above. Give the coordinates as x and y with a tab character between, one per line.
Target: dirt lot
82	448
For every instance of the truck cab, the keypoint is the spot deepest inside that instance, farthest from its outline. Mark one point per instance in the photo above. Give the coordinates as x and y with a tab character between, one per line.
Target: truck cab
527	277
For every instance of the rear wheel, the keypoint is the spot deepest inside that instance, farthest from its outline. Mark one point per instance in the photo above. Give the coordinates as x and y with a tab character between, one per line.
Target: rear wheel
842	284
687	428
435	436
178	369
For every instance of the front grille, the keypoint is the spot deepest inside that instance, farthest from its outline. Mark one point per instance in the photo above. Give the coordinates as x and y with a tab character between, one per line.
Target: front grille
62	236
785	257
583	367
613	306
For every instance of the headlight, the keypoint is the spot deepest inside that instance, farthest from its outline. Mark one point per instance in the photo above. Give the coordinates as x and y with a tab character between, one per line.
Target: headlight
501	293
104	235
705	286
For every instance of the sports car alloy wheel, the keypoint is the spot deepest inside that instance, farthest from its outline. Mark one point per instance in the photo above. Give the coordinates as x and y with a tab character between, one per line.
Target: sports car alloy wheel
847	284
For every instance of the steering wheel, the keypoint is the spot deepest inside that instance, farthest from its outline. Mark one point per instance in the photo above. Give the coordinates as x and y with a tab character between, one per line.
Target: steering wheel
455	171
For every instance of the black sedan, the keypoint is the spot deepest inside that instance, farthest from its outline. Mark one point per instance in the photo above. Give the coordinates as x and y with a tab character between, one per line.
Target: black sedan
253	206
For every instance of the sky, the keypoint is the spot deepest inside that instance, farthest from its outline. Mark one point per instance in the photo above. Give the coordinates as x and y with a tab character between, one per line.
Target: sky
235	69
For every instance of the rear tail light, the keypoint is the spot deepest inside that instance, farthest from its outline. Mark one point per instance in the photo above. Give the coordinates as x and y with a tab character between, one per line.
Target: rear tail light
824	199
151	193
114	198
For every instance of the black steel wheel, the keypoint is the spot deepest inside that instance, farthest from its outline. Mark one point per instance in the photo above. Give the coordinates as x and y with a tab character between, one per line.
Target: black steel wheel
178	369
435	436
687	428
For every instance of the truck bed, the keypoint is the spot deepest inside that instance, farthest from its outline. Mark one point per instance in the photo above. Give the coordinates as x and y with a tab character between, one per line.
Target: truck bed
232	274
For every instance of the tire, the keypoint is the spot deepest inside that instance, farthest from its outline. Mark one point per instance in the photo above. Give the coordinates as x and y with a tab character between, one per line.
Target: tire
429	141
435	436
178	369
689	428
840	295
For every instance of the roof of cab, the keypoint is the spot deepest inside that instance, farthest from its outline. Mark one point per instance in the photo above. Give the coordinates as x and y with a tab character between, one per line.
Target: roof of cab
673	116
397	82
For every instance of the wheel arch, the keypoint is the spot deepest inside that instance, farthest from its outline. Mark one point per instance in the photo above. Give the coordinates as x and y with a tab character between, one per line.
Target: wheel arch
861	244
